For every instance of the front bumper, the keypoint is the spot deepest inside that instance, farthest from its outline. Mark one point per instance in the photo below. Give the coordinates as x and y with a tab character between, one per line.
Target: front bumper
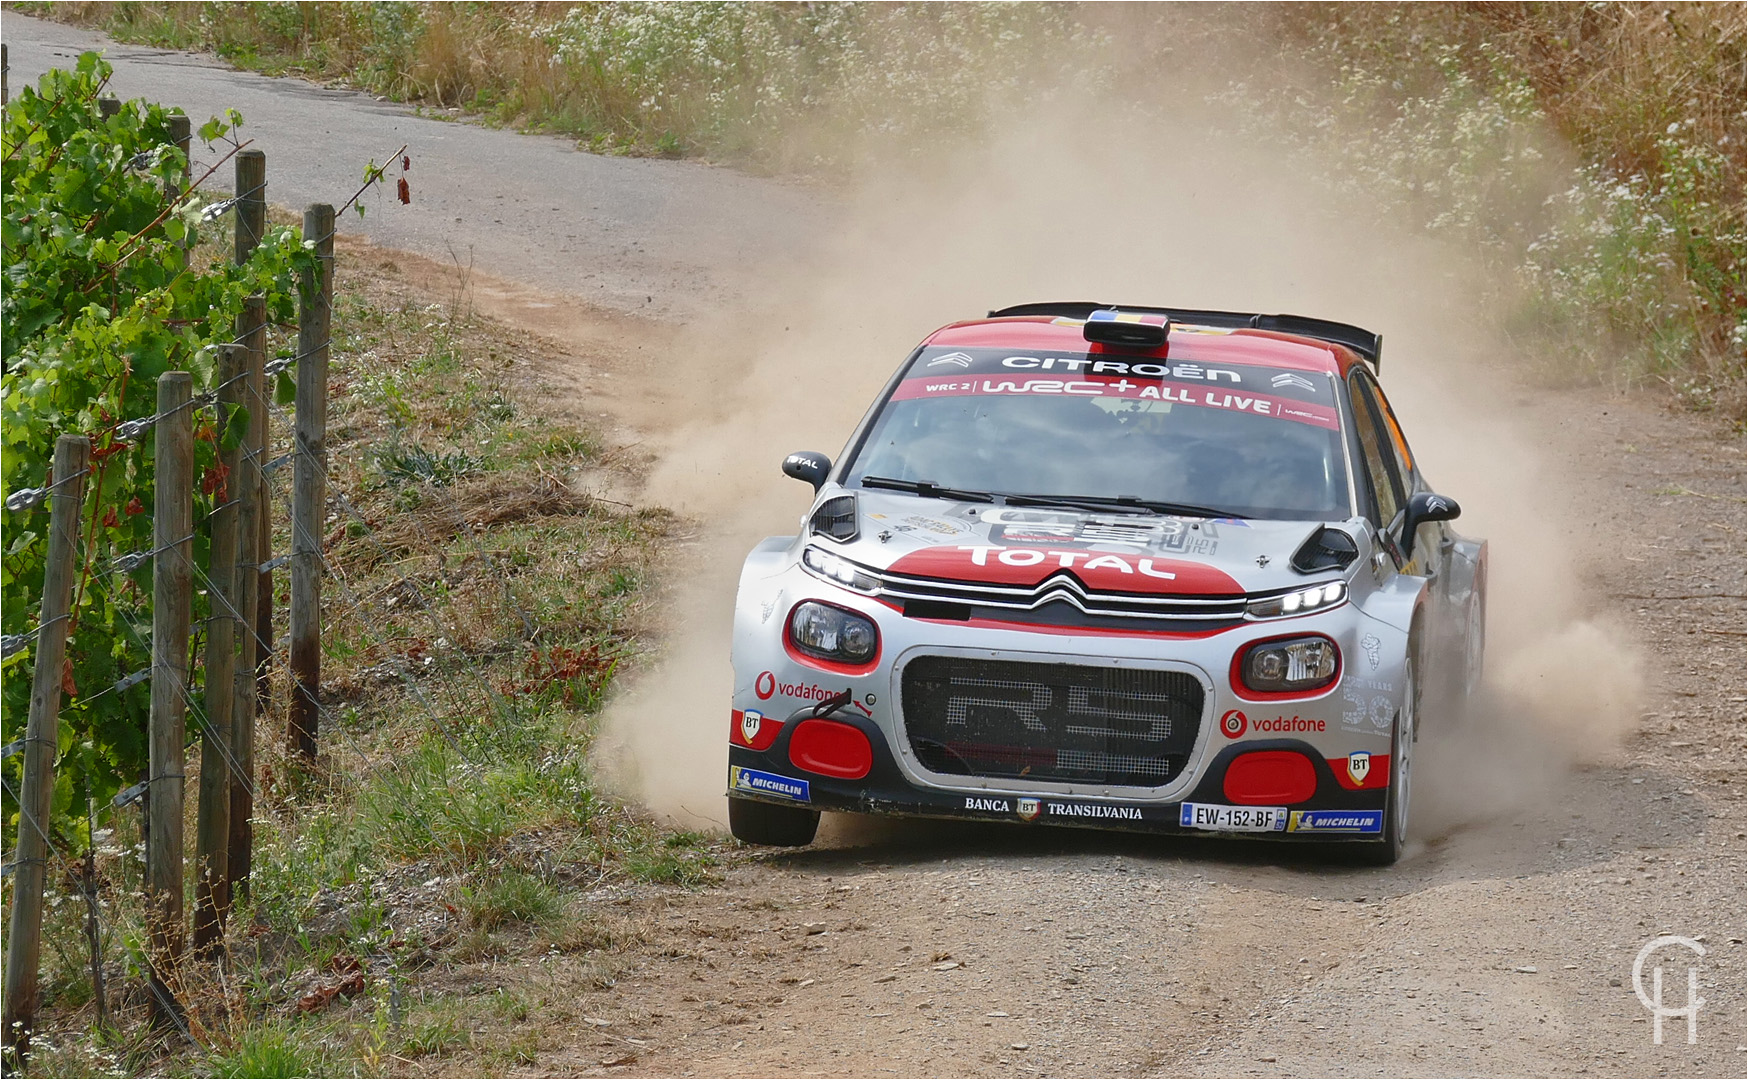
770	776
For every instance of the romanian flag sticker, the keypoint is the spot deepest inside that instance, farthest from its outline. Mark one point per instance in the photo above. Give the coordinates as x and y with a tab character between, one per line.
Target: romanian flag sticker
1140	318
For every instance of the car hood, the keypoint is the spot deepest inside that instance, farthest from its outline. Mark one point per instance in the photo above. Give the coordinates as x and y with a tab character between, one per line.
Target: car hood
1122	552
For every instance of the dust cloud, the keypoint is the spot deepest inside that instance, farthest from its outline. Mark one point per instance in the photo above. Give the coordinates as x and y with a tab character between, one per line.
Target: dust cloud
1092	202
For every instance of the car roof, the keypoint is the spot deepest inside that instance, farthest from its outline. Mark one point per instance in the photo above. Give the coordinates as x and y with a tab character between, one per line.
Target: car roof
1186	341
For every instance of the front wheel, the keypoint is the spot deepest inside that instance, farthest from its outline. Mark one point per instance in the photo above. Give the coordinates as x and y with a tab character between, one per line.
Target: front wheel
772	825
1474	644
1387	851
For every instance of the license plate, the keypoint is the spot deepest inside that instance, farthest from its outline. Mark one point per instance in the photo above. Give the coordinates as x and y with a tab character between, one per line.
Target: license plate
1233	818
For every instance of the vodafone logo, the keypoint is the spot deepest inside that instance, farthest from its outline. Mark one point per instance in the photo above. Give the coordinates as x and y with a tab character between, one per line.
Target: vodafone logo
1232	725
767	687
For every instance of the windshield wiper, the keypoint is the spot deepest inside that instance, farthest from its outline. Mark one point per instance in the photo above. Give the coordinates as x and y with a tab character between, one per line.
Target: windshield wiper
1131	503
927	488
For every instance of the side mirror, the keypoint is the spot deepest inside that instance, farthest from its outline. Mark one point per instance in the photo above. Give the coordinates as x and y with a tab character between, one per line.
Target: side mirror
1424	506
809	465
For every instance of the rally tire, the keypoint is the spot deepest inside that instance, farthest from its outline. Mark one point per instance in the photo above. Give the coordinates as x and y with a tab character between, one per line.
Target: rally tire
1474	644
766	823
1402	735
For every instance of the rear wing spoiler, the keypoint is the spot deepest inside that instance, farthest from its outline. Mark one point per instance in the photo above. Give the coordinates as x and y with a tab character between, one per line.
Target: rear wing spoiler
1367	344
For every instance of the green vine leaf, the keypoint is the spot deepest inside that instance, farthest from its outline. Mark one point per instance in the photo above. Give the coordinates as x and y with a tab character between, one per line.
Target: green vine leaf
100	298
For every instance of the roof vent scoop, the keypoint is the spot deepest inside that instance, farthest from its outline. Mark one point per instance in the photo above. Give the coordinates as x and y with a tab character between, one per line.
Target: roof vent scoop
836	518
1136	329
1325	549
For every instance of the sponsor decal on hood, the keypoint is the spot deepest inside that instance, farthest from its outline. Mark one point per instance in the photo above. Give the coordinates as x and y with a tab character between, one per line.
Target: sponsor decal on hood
1176	535
1027	544
1102	570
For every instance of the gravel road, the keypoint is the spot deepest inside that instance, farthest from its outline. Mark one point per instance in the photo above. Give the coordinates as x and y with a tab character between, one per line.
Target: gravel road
1503	945
624	234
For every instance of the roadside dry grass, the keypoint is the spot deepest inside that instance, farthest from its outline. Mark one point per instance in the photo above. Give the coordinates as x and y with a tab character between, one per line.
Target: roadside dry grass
479	606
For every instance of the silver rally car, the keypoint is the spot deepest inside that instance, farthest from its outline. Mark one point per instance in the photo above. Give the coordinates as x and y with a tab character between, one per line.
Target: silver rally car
1117	567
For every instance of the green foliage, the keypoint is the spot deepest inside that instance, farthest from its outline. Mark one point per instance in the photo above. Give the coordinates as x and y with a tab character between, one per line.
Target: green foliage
269	1051
100	300
510	896
409	463
435	803
434	1034
682	858
1593	263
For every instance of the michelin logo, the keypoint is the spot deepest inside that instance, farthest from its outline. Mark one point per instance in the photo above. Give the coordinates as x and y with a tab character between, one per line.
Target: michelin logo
1347	821
768	784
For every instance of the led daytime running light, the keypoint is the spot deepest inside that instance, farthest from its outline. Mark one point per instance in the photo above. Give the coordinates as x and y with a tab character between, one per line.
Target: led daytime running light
1316	598
839	571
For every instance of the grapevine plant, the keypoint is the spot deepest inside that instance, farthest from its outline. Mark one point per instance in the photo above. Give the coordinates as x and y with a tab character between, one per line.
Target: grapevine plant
105	290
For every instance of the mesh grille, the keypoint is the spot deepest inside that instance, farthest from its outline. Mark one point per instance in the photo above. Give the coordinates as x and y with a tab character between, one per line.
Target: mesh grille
1057	722
836	518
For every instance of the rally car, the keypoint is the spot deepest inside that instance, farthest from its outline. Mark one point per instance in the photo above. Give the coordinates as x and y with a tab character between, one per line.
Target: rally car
1122	567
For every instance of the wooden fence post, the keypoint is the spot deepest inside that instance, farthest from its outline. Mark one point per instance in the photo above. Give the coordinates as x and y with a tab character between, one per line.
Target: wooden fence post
212	880
108	106
251	207
42	738
251	227
309	492
172	598
252	332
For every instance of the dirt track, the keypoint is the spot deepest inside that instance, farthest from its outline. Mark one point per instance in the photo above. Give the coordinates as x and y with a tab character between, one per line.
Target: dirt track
1503	944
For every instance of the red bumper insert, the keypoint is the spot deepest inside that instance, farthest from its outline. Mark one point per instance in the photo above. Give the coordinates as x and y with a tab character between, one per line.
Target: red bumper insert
1270	778
829	748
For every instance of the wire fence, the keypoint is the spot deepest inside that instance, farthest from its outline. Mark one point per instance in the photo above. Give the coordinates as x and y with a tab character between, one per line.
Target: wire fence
445	697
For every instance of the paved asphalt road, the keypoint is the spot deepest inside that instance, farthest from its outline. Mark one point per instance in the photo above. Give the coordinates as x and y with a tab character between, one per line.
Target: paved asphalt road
625	234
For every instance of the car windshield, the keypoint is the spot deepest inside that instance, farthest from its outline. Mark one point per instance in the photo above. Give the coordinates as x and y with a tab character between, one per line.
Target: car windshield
1242	440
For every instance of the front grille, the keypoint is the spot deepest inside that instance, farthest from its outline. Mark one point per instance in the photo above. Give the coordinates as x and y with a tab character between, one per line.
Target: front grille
1061	588
1066	723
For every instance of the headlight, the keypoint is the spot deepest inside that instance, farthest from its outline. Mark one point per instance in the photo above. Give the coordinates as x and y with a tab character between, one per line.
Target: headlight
839	571
831	633
1315	598
1273	667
